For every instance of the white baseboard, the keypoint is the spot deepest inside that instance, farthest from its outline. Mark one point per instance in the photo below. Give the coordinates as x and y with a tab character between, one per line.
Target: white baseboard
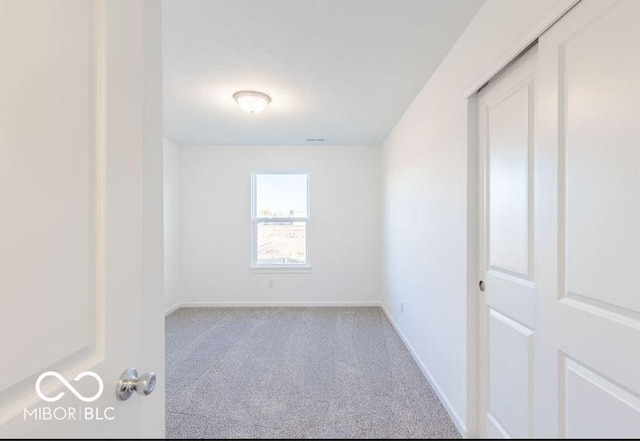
173	308
267	304
459	423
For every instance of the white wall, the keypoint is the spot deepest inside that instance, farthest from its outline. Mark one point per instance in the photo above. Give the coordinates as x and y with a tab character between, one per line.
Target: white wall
424	167
171	223
214	225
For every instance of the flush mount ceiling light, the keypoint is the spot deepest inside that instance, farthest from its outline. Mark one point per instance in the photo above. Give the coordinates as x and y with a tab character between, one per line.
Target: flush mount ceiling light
252	101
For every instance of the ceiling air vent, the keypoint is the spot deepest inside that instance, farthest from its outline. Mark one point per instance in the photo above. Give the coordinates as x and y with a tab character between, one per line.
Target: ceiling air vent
316	139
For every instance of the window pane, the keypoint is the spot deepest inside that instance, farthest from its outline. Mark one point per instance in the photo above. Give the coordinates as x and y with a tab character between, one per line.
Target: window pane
281	195
282	243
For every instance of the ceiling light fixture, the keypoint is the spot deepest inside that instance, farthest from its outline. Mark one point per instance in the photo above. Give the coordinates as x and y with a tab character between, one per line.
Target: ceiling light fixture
252	101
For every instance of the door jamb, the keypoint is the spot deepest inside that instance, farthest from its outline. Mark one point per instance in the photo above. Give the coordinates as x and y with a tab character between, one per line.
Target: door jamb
472	270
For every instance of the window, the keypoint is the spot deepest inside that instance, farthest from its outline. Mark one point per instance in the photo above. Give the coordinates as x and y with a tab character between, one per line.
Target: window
280	220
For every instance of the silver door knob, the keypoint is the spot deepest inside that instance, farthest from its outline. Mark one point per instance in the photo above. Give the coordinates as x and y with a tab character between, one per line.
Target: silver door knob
131	382
481	285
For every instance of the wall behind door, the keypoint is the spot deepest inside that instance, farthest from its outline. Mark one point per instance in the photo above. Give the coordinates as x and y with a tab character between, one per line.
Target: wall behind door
171	186
211	230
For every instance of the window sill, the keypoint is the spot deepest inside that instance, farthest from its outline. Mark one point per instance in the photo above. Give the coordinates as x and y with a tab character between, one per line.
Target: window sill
280	269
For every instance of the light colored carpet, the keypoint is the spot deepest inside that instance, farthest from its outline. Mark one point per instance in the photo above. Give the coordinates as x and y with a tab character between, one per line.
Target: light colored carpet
295	373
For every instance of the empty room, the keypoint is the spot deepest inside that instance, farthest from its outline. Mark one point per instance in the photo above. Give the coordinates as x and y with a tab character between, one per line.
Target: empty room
319	219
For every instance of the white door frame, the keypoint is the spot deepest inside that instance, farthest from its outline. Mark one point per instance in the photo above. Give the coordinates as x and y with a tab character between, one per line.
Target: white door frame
473	306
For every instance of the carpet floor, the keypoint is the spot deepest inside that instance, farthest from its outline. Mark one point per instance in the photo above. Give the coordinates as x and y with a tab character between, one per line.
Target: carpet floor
295	373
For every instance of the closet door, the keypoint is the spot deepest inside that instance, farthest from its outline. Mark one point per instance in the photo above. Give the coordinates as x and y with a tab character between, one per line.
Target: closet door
506	320
587	223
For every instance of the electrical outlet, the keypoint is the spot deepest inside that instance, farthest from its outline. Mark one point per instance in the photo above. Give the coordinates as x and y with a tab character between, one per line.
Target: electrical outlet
272	284
402	308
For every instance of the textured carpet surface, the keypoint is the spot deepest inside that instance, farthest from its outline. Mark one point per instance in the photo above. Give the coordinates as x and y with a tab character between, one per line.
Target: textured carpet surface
295	373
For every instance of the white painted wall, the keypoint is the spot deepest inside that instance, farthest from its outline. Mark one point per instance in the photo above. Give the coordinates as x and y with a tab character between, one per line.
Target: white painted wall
424	169
214	225
171	223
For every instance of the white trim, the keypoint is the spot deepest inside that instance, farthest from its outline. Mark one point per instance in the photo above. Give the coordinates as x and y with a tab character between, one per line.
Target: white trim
554	14
172	308
498	426
271	304
280	269
473	341
459	423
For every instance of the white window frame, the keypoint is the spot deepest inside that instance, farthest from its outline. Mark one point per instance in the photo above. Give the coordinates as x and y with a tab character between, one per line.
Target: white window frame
280	268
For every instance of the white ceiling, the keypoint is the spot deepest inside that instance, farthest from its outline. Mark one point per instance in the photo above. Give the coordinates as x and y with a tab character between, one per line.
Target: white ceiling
344	70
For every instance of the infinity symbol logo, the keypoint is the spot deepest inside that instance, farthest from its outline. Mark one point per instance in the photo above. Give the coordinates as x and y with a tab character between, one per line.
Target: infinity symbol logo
66	384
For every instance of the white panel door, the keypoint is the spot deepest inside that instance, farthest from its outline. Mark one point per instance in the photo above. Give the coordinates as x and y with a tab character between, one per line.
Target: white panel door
587	223
80	216
506	315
